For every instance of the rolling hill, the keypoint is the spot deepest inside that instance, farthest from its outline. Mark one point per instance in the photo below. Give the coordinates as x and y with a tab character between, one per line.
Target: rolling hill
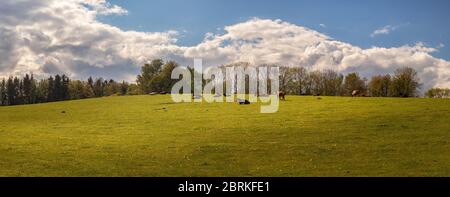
151	136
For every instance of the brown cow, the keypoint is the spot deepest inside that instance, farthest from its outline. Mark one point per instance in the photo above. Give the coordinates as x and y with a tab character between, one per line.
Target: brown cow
282	95
356	93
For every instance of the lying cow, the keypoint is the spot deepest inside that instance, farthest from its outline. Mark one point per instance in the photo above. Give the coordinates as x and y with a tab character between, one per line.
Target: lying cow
243	102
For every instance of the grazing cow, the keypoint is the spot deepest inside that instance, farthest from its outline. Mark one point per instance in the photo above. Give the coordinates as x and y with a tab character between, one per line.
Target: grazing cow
356	93
282	95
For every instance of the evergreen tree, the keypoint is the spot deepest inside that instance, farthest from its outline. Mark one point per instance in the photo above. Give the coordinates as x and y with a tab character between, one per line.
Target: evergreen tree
27	89
3	93
11	91
51	89
33	90
18	86
91	82
65	95
58	87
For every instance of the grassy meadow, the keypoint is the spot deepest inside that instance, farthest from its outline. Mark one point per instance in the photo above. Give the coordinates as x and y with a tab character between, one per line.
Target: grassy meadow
151	136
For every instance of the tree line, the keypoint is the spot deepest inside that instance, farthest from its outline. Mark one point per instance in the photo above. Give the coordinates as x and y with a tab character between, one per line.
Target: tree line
404	82
28	90
155	77
438	93
299	81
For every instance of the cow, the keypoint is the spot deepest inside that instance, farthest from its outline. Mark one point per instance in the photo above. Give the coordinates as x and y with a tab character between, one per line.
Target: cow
243	102
282	95
356	93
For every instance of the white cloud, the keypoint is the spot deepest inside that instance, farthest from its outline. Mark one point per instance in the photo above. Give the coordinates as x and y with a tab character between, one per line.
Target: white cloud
55	36
384	30
64	36
103	7
322	25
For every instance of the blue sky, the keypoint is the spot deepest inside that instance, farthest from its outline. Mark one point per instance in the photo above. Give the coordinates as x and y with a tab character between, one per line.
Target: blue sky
367	36
352	21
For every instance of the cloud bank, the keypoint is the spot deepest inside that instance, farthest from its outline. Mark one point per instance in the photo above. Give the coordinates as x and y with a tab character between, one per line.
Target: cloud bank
51	36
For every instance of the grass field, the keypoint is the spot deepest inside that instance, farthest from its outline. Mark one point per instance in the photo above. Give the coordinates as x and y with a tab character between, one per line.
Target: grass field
151	136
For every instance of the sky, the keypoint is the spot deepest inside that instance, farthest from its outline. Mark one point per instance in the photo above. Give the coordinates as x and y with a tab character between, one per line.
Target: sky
352	21
114	38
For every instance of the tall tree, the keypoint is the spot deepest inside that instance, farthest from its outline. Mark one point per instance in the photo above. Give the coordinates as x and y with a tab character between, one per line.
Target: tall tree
405	82
165	77
11	91
112	88
65	88
379	85
316	82
18	85
34	87
285	78
124	88
58	88
332	83
91	82
99	87
75	90
149	73
3	93
42	91
27	89
51	89
298	83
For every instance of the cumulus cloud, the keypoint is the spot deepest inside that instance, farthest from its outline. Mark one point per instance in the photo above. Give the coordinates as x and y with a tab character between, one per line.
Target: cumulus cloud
52	36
